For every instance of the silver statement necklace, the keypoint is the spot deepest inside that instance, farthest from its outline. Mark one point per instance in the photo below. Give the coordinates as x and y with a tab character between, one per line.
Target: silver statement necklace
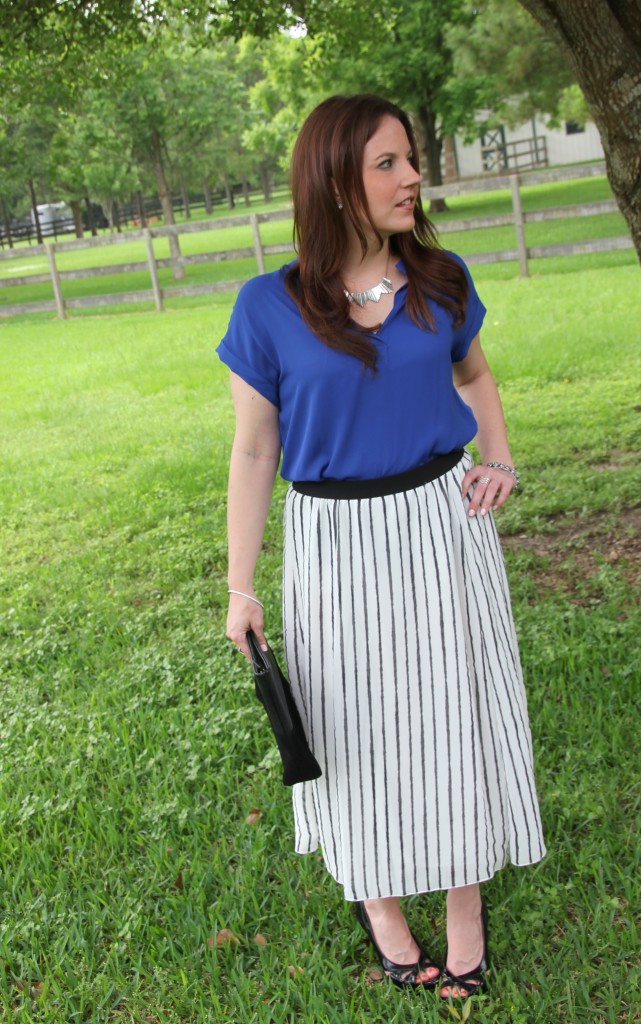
384	287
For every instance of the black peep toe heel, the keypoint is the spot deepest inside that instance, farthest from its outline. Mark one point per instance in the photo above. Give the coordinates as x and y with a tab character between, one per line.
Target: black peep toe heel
472	982
403	975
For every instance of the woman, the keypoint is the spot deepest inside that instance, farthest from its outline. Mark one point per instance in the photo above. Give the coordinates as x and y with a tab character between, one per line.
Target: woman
361	362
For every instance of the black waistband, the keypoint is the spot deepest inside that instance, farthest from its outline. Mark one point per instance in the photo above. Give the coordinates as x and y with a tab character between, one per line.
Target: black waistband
382	485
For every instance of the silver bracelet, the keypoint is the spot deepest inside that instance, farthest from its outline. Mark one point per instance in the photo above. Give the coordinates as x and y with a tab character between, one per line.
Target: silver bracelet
506	469
248	596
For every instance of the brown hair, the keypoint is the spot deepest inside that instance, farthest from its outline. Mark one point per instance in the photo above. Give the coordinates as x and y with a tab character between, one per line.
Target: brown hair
328	159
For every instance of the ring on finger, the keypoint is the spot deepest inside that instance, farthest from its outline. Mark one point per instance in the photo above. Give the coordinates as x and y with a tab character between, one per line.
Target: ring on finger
484	479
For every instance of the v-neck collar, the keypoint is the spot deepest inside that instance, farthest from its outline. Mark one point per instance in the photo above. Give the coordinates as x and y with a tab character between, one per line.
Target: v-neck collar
398	303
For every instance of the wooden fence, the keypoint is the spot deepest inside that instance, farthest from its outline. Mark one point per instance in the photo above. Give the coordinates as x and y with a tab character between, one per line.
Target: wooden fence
522	253
155	294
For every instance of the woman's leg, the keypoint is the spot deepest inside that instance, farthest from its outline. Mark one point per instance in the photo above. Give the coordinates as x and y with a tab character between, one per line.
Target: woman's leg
393	935
465	945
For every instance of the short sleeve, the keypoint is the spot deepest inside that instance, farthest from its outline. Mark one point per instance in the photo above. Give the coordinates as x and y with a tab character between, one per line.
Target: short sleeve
463	336
247	348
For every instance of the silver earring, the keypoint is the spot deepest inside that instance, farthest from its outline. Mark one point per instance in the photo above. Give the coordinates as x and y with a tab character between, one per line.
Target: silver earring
340	205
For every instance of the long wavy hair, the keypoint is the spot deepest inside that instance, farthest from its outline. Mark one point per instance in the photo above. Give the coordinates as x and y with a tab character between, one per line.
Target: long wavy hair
328	160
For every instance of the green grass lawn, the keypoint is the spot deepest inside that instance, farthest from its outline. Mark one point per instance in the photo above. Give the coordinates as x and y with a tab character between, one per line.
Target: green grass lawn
132	749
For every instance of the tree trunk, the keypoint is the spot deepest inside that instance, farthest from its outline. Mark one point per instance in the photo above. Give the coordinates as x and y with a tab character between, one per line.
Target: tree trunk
209	203
77	218
34	206
450	159
7	223
185	196
107	206
246	191
167	206
432	146
141	209
90	217
116	217
266	183
228	192
601	41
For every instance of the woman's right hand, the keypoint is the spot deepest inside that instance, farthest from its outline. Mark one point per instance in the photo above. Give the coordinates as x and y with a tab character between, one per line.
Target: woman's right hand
245	614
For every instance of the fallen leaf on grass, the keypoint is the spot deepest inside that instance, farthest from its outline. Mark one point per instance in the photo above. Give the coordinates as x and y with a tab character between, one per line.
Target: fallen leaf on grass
293	971
373	976
34	989
225	937
179	883
260	939
253	816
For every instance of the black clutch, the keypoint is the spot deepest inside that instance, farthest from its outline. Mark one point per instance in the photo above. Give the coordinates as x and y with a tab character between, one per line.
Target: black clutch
275	694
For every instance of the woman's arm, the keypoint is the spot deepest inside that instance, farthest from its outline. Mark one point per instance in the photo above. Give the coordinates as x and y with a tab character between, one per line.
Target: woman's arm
252	468
476	385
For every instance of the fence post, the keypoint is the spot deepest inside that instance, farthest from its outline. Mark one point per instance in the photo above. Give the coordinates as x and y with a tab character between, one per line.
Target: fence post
153	270
55	280
519	227
258	245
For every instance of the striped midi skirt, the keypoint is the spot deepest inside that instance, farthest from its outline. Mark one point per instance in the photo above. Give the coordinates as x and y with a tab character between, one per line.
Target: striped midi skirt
402	655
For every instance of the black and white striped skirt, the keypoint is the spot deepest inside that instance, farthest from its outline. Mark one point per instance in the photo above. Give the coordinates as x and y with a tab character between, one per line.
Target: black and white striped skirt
401	650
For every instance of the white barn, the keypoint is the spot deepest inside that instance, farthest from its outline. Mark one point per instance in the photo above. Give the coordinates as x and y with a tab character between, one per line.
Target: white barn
529	145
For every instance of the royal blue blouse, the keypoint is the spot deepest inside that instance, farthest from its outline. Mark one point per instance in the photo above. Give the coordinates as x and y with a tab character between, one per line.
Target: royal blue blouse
338	420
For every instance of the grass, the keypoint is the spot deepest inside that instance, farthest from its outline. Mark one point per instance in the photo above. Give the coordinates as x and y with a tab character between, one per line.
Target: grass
132	749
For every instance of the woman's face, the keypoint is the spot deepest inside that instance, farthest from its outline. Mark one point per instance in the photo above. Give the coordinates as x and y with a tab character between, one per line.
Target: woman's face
391	183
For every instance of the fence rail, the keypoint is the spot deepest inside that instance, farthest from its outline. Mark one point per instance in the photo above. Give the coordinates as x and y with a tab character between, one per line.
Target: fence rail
522	253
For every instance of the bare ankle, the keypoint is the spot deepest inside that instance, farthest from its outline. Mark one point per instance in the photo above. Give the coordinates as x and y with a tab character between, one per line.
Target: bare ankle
465	898
386	905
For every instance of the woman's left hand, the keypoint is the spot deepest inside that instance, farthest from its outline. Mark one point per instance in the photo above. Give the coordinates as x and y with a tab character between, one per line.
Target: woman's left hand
490	488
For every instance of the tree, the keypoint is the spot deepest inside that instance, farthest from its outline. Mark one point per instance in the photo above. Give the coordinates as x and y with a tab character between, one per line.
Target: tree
284	84
11	182
601	40
79	36
164	102
517	70
217	120
101	162
25	138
